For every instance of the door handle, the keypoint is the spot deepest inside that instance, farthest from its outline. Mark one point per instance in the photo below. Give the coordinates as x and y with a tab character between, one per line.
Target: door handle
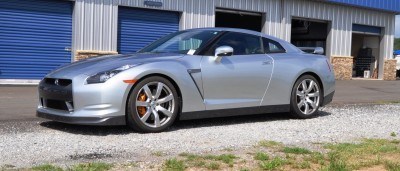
267	62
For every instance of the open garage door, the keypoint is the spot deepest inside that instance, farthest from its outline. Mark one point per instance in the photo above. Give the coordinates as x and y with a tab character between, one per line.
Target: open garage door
35	37
139	27
309	33
365	49
238	19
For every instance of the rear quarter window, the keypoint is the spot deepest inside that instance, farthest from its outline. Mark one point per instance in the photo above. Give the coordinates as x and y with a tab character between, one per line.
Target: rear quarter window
271	46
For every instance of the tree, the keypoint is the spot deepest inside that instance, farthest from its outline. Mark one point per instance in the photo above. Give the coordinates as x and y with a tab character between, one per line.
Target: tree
397	44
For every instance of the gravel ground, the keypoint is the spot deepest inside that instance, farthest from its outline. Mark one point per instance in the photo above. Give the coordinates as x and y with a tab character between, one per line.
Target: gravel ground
24	144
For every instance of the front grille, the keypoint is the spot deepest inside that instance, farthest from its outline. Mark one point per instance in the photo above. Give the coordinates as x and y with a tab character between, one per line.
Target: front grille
56	94
58	104
58	82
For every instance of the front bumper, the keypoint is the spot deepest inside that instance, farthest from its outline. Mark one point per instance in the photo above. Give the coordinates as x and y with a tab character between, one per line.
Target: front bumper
113	120
80	103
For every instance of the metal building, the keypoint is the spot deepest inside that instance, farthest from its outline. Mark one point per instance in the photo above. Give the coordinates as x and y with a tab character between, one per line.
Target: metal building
40	35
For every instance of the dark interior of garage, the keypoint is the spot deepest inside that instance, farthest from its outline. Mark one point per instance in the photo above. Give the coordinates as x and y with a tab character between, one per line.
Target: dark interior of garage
365	50
238	19
309	33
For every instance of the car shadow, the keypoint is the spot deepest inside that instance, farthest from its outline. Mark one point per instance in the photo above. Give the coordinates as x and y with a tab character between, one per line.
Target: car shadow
179	125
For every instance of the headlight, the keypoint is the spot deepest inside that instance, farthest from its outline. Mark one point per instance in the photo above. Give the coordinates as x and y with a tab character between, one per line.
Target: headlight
102	77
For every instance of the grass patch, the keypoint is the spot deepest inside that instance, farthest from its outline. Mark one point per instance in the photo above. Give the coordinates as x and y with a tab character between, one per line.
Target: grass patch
393	134
270	144
213	166
336	164
226	158
387	102
190	157
296	150
390	166
275	163
211	162
200	163
316	158
96	166
302	165
158	153
174	165
261	156
47	167
368	153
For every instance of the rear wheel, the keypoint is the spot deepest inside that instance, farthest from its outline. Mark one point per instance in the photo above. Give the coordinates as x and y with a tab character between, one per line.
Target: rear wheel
306	97
153	105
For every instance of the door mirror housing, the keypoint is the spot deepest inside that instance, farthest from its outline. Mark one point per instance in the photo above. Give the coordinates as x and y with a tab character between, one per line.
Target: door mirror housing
222	51
319	51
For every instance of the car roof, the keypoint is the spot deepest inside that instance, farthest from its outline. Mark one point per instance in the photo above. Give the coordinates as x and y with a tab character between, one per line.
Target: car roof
289	47
240	31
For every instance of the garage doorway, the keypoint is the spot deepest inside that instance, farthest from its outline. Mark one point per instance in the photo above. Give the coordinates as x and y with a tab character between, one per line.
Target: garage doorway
239	19
310	33
365	48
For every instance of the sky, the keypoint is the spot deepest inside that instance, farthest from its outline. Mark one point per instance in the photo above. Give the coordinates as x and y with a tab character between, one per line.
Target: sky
398	26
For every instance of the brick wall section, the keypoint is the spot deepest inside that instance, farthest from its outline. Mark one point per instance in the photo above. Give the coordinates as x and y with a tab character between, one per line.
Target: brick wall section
343	66
389	70
81	54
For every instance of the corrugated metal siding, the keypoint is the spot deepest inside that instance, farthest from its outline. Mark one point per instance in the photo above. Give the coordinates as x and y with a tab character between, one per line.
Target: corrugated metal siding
96	20
139	27
96	26
388	5
33	39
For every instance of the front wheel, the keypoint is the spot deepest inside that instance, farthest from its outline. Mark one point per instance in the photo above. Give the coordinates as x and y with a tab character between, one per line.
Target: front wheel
306	97
153	105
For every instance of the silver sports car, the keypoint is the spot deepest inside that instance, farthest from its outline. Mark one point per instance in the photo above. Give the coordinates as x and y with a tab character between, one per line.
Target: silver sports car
191	74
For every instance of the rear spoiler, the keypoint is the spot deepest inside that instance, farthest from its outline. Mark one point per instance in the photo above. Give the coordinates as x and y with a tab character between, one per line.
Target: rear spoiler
313	50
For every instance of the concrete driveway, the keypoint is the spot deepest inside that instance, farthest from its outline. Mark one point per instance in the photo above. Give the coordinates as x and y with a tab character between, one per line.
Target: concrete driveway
19	102
366	91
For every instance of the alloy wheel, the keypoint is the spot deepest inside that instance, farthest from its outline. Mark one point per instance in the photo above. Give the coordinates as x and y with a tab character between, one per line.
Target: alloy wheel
155	104
308	96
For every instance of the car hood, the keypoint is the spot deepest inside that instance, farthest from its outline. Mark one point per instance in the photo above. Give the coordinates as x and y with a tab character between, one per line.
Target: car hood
95	65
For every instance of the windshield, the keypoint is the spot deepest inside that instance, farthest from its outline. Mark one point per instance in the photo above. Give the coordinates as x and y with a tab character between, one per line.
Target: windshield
184	42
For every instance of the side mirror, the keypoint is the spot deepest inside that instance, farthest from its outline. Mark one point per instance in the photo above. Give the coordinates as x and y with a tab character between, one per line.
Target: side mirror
319	51
222	51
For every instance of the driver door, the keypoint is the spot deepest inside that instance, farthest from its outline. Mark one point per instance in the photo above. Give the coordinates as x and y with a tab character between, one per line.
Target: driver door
239	80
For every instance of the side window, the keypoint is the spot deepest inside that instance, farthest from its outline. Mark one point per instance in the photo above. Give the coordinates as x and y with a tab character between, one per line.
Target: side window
271	46
242	44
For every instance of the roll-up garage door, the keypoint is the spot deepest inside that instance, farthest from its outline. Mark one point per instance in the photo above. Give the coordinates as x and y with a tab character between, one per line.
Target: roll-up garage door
139	27
35	36
363	29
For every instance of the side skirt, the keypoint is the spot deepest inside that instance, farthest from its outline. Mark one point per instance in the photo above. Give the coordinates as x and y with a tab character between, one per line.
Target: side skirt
234	112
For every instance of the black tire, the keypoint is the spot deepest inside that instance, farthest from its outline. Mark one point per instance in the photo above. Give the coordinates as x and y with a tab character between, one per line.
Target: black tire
132	114
294	100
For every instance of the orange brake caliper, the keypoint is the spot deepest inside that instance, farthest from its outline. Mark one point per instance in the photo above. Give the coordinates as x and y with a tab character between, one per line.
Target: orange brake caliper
141	109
